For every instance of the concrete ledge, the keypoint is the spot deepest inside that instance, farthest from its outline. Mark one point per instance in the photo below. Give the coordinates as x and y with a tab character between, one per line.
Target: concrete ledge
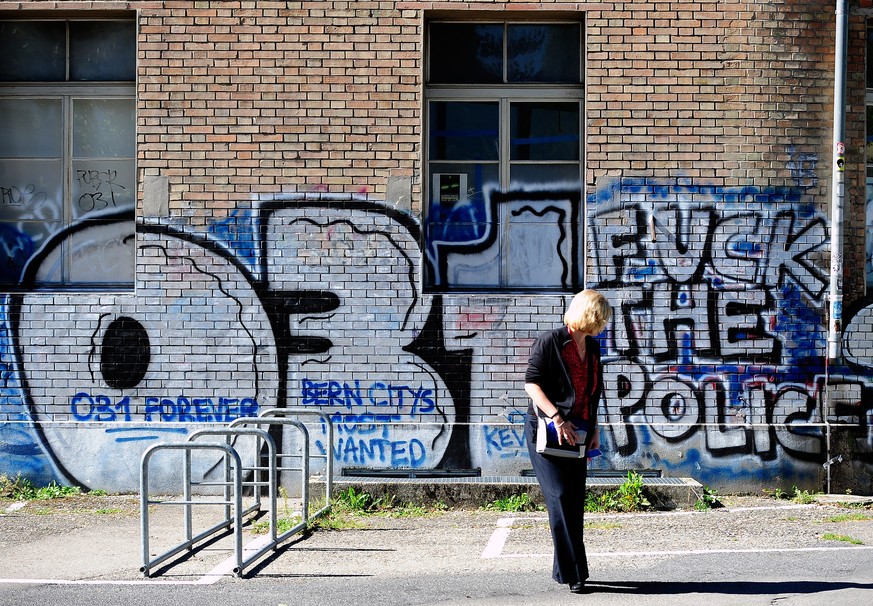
844	499
663	493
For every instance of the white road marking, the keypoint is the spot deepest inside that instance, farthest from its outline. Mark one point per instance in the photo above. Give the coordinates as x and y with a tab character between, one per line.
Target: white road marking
223	569
227	566
498	538
649	554
494	548
96	582
14	507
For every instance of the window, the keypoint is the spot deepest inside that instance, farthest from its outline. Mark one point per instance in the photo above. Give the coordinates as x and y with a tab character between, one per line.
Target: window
67	157
504	156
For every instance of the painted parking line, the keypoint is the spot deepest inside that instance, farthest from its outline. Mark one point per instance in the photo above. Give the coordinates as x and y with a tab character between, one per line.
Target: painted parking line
649	554
201	581
220	571
497	541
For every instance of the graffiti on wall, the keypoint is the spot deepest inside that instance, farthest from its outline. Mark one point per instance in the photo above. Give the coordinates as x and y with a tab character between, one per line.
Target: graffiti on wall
713	359
343	287
718	340
135	369
518	239
333	318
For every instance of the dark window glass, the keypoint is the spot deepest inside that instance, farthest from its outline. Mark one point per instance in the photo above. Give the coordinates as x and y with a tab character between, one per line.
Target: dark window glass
466	53
102	50
544	131
67	153
464	131
544	53
32	51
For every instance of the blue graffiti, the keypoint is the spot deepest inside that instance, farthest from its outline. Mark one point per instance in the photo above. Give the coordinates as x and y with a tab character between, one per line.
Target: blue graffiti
181	409
394	453
504	442
17	248
419	400
20	449
152	433
239	233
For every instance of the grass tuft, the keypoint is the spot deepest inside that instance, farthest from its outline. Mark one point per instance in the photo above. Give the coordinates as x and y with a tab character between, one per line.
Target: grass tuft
829	536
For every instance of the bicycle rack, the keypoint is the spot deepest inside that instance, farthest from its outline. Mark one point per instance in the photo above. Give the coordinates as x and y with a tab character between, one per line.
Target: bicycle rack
232	461
233	484
271	484
282	412
256	482
304	469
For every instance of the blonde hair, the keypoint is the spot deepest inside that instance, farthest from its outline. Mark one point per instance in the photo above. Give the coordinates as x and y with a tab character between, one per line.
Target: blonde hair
589	312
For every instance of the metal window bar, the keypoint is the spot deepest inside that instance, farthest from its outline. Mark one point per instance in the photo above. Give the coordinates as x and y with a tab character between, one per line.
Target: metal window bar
328	457
232	461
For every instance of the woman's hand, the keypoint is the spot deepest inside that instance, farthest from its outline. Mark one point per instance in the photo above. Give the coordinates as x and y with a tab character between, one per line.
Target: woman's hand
566	432
595	440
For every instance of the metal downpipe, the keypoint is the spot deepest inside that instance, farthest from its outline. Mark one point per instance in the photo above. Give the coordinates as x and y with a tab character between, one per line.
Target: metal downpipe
838	181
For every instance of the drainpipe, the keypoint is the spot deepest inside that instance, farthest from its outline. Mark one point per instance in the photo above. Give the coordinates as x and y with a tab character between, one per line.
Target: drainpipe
838	182
838	196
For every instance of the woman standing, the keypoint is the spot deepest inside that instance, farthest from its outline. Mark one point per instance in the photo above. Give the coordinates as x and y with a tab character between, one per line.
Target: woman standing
564	380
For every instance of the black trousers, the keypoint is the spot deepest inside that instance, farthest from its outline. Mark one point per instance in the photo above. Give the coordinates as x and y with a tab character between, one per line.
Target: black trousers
562	482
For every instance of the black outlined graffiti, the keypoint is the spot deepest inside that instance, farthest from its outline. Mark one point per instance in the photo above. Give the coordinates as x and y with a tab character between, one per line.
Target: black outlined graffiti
124	354
526	239
156	365
718	293
327	240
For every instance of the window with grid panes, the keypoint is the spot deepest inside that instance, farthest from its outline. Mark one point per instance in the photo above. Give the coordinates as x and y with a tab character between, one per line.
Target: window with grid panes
67	157
504	156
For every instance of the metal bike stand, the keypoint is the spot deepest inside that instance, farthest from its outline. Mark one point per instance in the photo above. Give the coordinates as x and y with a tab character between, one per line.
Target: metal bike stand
256	482
304	469
329	456
232	463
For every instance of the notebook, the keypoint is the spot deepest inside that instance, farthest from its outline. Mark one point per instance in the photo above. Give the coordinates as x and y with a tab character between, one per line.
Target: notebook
547	440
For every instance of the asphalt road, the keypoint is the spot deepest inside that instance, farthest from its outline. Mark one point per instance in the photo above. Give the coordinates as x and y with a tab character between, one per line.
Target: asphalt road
753	551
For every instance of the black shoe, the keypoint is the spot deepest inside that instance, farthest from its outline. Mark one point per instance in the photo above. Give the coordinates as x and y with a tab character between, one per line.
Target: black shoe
577	587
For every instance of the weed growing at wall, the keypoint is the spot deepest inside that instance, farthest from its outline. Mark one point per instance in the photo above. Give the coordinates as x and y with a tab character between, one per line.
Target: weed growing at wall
513	503
352	501
349	505
706	500
22	489
630	496
803	497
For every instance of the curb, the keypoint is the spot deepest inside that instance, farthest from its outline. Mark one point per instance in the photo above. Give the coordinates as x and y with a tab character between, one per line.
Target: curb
663	493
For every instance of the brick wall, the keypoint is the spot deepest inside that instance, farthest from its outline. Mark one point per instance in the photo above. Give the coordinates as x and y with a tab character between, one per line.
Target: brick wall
285	266
243	99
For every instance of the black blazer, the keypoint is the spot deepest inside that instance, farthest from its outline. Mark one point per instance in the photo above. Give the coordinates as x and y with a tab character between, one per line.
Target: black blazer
546	368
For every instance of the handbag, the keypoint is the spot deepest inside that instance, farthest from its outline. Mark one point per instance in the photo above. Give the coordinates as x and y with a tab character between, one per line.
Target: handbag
547	440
